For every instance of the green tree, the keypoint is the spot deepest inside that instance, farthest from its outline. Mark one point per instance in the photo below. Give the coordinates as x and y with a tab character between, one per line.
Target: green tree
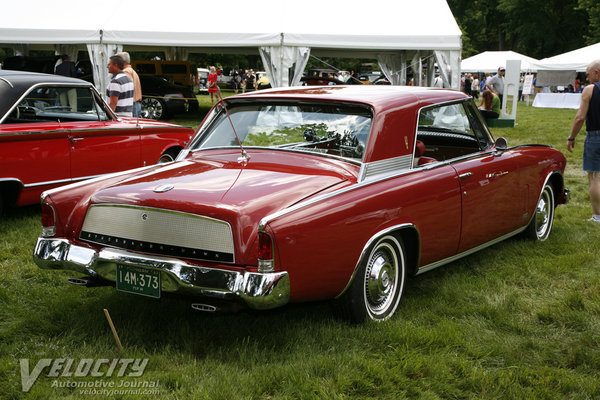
592	9
544	28
537	28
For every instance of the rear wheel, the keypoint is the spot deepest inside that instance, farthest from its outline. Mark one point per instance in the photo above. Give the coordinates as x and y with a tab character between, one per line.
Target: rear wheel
541	224
153	108
377	287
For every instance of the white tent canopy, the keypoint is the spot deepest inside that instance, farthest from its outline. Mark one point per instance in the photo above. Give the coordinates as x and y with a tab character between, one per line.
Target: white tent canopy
489	61
404	32
576	60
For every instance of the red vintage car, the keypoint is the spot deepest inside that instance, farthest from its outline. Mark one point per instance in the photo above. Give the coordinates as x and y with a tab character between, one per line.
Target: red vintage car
304	194
56	130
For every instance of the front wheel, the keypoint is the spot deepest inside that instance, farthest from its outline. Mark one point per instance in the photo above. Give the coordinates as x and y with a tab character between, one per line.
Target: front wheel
377	287
541	224
168	156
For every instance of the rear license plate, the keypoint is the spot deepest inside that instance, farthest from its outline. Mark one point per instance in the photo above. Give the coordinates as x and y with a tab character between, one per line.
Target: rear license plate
145	282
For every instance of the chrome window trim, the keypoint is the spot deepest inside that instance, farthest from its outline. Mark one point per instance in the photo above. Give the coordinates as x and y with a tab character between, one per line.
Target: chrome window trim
6	81
111	115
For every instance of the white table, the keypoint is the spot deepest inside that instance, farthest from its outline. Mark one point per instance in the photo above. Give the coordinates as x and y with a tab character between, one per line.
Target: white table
557	100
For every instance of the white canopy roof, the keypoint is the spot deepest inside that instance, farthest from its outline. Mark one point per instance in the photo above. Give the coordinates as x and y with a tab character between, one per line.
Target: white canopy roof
235	23
577	60
408	31
490	61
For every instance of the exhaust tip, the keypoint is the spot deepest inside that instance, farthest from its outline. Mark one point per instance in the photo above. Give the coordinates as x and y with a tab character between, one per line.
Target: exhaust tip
204	307
89	282
78	281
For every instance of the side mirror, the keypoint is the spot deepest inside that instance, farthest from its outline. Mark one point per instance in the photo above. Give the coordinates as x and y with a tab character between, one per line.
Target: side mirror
501	145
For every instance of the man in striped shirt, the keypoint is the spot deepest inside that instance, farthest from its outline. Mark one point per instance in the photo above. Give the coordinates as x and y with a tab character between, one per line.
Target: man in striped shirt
120	88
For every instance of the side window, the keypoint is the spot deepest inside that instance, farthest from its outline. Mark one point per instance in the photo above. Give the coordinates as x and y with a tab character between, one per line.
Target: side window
448	118
57	103
445	132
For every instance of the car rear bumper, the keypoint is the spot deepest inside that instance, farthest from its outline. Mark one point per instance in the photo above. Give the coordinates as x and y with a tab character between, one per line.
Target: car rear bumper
258	290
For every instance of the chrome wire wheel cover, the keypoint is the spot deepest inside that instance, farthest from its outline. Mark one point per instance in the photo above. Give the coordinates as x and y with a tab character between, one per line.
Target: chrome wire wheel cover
544	214
381	279
152	108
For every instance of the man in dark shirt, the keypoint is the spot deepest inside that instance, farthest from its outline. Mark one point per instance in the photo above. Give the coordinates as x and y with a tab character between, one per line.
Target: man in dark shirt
67	97
589	111
66	67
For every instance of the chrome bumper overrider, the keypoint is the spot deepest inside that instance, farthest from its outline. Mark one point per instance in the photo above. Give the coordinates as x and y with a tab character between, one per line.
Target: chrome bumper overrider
258	290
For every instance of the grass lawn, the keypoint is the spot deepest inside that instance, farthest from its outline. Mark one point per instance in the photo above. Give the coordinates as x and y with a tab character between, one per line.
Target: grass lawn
519	320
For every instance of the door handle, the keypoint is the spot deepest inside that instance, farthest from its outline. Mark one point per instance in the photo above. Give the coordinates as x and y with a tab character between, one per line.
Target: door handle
496	174
465	175
75	139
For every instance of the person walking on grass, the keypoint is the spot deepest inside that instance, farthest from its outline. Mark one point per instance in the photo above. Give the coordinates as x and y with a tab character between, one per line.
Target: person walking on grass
212	85
589	111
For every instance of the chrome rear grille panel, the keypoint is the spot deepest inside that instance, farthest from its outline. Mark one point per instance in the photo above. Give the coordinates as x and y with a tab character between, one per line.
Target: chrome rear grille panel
159	231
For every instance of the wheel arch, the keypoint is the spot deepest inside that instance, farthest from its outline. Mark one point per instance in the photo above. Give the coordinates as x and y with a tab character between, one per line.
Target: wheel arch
10	188
556	179
172	150
408	233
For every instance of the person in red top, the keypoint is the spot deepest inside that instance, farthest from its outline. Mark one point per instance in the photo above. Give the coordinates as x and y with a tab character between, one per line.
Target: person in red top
212	84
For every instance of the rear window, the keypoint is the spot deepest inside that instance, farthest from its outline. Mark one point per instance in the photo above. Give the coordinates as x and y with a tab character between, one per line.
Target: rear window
334	129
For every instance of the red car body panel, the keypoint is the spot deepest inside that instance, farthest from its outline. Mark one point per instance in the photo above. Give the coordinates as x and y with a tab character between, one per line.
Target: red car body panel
323	213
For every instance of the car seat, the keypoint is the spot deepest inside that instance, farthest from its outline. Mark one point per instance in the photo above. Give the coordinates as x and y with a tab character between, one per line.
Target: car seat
419	158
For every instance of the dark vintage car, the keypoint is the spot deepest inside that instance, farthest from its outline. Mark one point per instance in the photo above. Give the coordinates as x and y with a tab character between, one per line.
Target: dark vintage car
306	194
56	130
162	99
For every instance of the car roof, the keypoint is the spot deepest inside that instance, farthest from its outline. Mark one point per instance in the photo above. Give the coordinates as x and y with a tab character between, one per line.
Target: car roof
379	97
14	83
20	77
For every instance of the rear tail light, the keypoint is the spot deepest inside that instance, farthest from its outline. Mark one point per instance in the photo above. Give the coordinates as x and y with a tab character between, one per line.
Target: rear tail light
265	253
185	99
48	220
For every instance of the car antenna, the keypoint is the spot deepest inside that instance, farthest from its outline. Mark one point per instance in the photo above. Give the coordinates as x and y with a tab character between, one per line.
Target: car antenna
243	159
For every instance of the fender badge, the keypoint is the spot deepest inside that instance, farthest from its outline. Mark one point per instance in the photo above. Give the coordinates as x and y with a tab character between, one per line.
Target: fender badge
163	188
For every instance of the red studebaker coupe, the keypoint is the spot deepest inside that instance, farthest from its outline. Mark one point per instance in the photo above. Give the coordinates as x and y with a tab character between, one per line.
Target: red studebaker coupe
306	194
56	130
